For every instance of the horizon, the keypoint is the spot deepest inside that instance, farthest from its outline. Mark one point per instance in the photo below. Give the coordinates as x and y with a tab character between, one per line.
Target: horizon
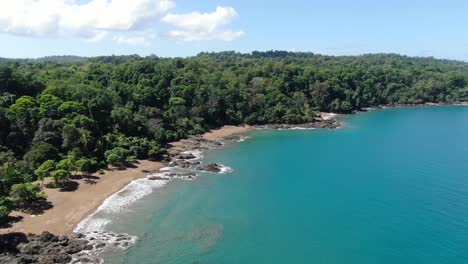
237	52
176	28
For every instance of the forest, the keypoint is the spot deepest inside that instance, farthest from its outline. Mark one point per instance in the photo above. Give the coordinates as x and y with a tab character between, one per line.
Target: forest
60	116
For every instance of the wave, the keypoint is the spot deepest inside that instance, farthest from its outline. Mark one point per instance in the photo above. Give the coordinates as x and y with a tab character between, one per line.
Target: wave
328	116
93	227
243	138
117	202
302	128
225	169
197	153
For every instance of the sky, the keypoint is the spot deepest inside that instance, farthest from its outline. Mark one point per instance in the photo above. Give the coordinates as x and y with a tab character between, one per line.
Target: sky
179	28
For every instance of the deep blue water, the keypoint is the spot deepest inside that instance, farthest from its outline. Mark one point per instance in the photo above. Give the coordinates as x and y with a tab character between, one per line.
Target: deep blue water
390	187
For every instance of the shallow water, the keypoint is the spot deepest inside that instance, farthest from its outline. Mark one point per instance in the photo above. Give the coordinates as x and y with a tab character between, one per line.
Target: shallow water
390	187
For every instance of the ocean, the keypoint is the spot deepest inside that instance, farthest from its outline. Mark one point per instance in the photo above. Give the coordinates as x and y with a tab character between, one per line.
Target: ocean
391	186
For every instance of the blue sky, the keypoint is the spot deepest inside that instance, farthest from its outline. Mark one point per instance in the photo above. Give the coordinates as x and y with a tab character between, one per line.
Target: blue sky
336	27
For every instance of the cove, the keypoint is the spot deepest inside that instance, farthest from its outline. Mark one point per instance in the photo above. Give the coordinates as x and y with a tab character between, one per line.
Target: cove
389	187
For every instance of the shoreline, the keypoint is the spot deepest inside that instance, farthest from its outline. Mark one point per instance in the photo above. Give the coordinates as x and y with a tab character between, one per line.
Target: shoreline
390	106
79	213
70	208
88	197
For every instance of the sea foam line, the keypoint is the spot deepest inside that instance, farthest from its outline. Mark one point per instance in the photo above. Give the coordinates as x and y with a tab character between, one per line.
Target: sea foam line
93	226
118	202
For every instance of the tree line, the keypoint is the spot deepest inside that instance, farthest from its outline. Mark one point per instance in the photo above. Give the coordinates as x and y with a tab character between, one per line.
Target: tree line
67	115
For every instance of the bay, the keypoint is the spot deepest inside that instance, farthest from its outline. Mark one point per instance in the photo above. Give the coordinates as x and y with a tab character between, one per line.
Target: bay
389	187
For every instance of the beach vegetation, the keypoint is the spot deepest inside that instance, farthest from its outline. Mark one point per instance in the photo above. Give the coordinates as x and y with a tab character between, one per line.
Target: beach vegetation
27	194
4	214
59	118
60	176
45	170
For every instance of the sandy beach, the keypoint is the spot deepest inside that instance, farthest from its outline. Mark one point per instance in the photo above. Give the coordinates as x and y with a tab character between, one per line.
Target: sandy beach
226	131
70	208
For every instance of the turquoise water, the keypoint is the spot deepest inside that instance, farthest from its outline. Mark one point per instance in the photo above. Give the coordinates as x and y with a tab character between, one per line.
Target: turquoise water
390	187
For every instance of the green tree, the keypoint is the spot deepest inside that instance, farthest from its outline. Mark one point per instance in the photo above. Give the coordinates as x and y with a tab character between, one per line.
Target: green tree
9	176
71	108
60	176
64	164
4	212
45	170
85	165
24	114
49	105
25	194
41	152
116	156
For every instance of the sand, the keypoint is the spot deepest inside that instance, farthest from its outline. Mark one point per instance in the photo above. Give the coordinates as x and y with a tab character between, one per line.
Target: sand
226	131
70	208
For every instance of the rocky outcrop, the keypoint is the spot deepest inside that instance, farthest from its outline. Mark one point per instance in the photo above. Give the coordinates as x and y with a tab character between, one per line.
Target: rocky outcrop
328	123
45	248
184	163
213	167
186	156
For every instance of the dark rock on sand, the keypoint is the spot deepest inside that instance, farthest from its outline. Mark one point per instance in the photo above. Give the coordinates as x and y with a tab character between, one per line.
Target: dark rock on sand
232	137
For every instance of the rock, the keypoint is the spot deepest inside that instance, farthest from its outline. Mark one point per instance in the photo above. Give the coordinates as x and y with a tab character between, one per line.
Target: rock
186	156
125	244
184	163
24	259
231	137
76	246
156	178
51	251
84	260
45	248
88	247
31	248
47	237
62	258
100	246
213	167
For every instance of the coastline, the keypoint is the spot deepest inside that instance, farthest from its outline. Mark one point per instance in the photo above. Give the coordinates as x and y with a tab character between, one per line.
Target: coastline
72	207
78	213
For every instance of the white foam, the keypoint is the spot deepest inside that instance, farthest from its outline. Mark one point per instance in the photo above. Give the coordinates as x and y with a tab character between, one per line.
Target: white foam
101	241
328	116
243	138
302	128
225	169
197	153
94	226
165	168
117	202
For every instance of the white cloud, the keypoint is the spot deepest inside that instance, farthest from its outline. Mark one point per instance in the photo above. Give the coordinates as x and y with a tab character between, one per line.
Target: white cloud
132	40
90	20
203	26
96	19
